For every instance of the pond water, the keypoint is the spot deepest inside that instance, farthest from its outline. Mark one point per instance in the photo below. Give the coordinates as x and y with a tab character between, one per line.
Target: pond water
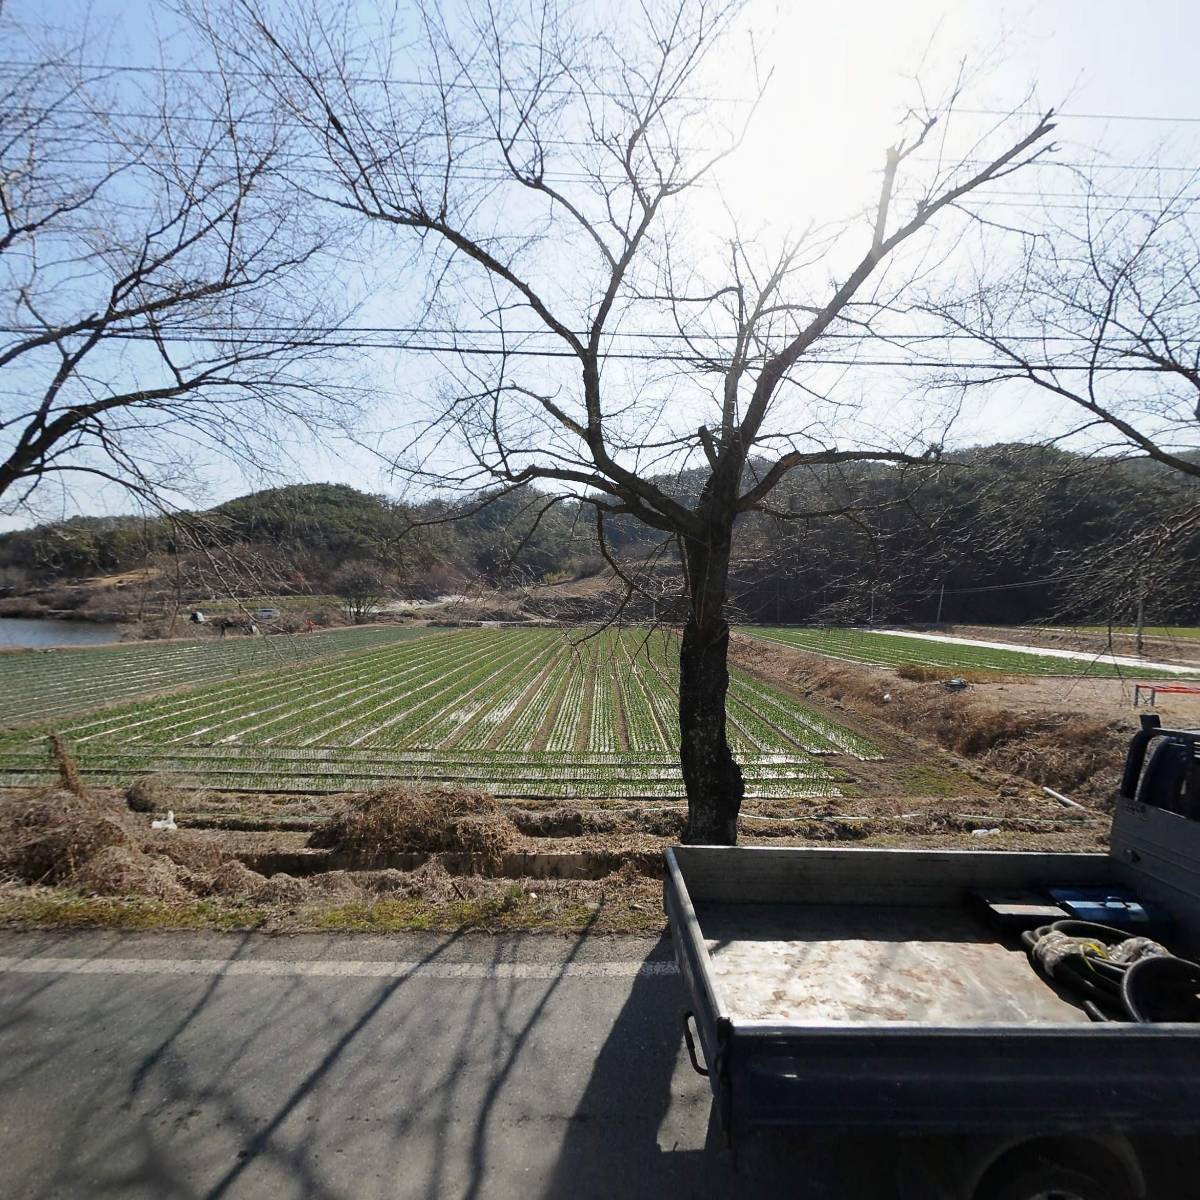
40	631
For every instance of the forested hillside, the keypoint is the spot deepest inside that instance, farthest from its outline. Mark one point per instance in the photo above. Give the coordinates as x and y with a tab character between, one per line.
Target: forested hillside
1004	534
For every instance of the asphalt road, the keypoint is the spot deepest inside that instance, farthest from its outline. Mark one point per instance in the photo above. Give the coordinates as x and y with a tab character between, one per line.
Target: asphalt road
351	1068
358	1067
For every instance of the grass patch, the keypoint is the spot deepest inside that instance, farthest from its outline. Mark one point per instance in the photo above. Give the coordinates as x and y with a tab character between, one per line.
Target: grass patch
622	909
515	911
918	779
912	654
68	909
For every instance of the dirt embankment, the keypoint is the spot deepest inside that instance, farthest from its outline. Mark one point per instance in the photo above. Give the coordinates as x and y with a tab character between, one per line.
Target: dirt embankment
1069	735
403	858
68	855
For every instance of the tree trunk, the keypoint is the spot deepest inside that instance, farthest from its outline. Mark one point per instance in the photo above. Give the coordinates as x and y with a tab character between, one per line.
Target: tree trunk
711	776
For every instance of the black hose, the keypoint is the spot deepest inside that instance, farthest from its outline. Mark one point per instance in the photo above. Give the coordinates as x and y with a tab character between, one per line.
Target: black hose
1162	988
1158	987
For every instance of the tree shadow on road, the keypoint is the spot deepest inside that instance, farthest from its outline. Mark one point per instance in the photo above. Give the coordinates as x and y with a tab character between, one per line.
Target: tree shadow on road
639	1127
644	1128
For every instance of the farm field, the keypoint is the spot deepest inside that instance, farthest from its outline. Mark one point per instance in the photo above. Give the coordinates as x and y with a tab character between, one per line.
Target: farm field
523	712
48	683
890	650
1166	631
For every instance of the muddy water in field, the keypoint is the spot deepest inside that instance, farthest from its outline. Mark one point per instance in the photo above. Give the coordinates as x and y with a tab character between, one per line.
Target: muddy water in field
42	631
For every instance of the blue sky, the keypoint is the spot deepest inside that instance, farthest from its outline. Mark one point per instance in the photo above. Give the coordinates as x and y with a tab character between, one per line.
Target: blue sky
842	73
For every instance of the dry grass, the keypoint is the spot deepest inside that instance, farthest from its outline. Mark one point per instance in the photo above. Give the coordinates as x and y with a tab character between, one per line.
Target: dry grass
927	673
153	793
127	871
371	828
49	834
1070	750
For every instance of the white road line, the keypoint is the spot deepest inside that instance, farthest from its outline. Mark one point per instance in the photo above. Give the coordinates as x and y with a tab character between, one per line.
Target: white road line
333	968
1118	660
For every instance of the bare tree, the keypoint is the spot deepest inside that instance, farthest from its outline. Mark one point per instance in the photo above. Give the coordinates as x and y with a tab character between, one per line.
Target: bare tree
158	284
537	167
361	587
1099	314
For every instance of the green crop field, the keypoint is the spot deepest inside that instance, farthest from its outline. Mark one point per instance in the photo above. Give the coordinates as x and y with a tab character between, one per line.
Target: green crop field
522	712
1166	631
888	650
48	683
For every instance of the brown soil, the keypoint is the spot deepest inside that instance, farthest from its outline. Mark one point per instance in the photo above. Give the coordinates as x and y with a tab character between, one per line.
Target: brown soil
1068	734
1104	699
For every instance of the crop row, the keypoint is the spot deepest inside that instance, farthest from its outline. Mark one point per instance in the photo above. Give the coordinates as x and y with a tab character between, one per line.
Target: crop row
259	770
516	710
35	684
890	650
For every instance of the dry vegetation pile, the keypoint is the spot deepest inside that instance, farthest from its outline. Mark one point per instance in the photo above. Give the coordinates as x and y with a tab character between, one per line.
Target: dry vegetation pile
87	859
50	835
1063	749
99	845
567	822
373	827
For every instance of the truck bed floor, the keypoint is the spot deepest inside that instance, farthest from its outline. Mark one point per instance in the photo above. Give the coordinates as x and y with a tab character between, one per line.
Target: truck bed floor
816	964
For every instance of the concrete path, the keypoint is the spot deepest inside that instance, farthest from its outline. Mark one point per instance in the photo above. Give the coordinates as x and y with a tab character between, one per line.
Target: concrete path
1117	660
349	1068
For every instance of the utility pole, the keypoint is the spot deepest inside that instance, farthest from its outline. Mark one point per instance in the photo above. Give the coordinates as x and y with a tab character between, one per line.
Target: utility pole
941	597
1139	641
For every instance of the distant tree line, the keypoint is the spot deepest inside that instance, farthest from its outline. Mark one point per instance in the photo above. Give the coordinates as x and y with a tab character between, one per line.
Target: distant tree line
1007	535
1001	534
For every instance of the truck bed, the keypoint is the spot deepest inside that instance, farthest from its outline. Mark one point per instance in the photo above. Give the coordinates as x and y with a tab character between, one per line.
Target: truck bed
820	963
836	987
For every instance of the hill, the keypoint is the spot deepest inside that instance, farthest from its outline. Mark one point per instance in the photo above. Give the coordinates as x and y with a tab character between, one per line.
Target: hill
1003	534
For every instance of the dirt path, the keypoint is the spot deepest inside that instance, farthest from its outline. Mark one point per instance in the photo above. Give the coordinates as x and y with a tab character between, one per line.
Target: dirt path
1183	650
1115	660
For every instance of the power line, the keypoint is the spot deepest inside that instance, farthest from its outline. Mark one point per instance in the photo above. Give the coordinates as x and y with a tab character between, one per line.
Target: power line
499	171
1079	116
500	174
200	329
245	73
302	339
81	138
1083	166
